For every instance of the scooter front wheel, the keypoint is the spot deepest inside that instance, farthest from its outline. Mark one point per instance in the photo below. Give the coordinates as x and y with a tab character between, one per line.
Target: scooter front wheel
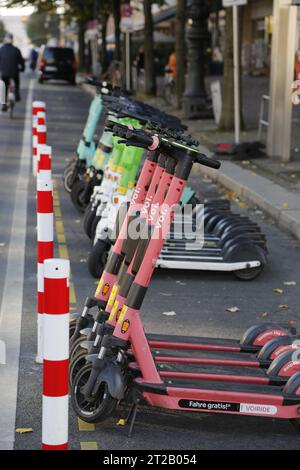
77	362
76	345
97	258
91	411
89	216
67	178
77	195
72	327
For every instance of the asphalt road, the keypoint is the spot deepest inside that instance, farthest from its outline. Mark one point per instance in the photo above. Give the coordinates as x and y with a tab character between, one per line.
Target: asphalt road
199	299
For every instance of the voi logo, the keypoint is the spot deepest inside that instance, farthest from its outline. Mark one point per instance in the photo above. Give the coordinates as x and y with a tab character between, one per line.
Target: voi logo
258	409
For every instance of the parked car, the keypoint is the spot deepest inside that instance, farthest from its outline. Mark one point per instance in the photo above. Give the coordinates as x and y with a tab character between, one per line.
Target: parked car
57	63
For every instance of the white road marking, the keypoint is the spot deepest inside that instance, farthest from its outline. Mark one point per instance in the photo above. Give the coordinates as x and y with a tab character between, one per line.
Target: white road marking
12	300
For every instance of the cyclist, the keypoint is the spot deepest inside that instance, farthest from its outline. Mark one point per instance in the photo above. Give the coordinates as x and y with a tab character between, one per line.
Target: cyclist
11	64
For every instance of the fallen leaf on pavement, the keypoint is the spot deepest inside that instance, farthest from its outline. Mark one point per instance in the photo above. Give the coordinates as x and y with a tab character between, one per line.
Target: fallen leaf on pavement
285	205
232	309
121	422
291	322
283	306
169	314
277	290
24	430
245	162
289	283
263	314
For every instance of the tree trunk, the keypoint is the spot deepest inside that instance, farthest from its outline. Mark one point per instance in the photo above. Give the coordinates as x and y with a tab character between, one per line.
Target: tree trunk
150	79
227	115
81	45
180	50
117	19
104	61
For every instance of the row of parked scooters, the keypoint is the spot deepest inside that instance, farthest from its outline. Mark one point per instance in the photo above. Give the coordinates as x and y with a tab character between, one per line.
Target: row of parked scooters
102	177
114	364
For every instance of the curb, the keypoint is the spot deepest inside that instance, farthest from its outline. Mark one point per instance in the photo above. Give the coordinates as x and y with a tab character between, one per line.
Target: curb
280	204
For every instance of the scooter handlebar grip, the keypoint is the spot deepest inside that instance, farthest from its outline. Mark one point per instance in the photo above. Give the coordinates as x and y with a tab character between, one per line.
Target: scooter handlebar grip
142	138
206	161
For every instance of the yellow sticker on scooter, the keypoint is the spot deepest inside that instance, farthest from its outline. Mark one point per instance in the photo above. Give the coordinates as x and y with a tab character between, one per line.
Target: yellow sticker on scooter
112	295
125	326
99	287
105	289
98	158
122	314
113	311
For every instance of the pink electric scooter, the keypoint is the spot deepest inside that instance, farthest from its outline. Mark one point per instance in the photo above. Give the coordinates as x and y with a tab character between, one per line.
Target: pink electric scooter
125	368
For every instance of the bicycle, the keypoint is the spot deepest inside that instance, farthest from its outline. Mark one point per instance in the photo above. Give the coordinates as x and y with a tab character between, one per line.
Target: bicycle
11	99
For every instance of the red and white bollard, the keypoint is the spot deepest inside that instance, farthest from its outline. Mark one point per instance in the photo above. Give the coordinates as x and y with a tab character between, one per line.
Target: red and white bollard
56	354
41	118
44	161
38	106
44	249
38	118
38	139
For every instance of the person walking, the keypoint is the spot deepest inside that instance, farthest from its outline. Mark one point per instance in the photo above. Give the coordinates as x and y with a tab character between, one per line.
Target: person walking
11	64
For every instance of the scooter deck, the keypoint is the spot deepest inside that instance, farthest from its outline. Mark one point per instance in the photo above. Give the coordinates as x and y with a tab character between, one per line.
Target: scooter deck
185	358
208	385
197	343
221	397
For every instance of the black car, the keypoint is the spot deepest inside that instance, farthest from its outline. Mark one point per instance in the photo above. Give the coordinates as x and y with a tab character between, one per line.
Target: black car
57	63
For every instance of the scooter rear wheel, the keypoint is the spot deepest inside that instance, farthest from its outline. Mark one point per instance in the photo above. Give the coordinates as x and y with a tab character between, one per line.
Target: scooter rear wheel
91	411
249	274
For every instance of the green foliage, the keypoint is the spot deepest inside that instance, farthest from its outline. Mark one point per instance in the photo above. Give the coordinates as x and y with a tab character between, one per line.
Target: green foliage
41	26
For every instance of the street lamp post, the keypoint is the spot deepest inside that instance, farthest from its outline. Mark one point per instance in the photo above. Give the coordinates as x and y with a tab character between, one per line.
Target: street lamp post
195	97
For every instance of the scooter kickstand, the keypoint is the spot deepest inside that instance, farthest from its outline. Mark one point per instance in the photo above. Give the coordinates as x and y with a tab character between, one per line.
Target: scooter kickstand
132	416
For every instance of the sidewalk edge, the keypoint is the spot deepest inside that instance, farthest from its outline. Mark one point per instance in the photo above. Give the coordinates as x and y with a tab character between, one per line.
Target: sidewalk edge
282	217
